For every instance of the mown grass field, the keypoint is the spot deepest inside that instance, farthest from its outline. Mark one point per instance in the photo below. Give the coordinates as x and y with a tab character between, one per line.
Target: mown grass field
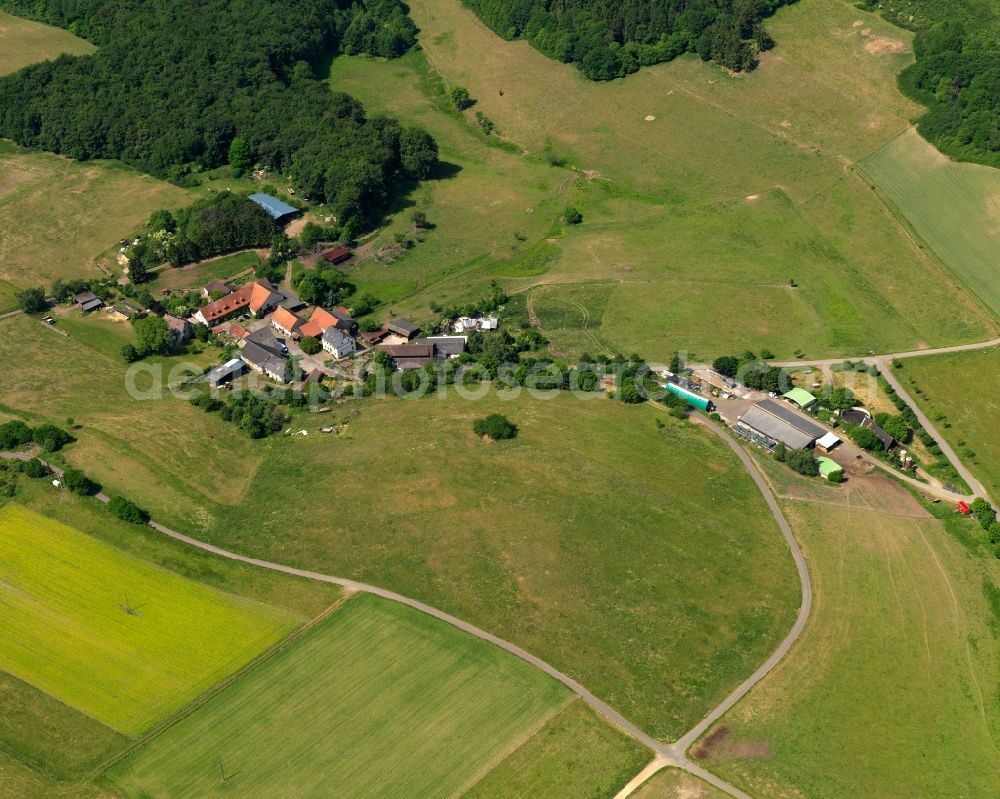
576	754
958	392
116	638
891	690
650	594
698	219
954	208
23	42
194	276
377	700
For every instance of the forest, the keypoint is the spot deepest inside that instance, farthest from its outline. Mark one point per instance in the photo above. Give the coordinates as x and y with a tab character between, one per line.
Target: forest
174	83
956	74
608	39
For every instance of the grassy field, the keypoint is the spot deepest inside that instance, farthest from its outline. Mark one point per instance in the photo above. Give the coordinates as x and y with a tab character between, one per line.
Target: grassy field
683	244
954	208
378	700
900	659
23	42
575	755
68	605
619	588
57	216
194	276
959	393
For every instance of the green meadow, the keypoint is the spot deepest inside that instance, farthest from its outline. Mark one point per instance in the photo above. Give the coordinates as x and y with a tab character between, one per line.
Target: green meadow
377	700
953	208
122	641
24	42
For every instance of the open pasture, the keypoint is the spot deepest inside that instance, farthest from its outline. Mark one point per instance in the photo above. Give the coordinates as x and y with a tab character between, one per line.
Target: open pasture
891	690
953	208
377	700
24	42
120	640
958	391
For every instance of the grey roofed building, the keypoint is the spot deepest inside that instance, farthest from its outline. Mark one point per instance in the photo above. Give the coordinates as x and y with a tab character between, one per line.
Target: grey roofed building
403	327
265	339
860	417
275	207
777	422
263	360
223	374
338	343
444	346
88	301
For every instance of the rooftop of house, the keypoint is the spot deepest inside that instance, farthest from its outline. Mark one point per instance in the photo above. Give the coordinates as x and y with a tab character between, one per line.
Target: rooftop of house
404	327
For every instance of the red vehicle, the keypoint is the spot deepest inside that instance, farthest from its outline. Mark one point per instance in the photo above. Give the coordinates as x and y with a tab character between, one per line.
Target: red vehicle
964	509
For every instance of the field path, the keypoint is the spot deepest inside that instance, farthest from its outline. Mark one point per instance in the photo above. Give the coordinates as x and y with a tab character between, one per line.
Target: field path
666	754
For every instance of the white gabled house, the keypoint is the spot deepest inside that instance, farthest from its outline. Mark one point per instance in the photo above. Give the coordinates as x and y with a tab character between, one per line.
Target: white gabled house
338	343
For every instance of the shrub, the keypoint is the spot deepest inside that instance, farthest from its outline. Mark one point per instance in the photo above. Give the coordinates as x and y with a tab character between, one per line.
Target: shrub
14	434
32	300
127	511
572	216
866	439
836	477
77	482
459	97
35	469
496	426
310	345
51	438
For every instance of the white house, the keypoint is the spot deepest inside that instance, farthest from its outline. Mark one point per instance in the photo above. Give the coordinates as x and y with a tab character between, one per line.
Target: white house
465	323
338	343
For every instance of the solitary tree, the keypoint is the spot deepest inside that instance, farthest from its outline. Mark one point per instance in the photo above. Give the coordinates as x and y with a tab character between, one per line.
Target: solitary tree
496	426
459	97
32	300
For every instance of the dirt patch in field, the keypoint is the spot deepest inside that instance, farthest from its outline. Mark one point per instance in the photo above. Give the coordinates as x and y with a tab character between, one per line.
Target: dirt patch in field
882	45
719	744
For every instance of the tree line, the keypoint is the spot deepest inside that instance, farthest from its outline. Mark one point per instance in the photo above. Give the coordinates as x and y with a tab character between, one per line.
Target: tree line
611	38
957	76
174	84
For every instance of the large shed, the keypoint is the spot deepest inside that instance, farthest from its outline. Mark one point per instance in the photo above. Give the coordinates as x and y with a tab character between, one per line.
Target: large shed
278	209
769	422
800	397
692	399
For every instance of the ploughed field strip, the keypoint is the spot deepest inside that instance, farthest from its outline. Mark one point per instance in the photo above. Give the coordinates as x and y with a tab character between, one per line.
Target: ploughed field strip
121	640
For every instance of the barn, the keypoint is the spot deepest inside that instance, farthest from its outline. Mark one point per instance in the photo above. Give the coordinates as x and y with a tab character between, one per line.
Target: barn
279	210
769	423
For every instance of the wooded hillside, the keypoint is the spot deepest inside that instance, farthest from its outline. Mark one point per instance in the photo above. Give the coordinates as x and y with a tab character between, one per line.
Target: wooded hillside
174	83
611	38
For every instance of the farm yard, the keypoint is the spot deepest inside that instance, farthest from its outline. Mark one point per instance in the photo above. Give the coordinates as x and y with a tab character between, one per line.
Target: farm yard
377	700
122	641
901	650
953	208
958	391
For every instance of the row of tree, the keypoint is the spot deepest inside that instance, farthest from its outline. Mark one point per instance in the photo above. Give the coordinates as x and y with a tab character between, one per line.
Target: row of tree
610	38
176	88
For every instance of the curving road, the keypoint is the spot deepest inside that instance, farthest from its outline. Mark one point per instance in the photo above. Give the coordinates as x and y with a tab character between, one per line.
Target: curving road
666	754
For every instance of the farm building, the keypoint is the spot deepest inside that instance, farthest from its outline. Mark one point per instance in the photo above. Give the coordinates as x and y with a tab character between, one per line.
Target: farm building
226	373
828	468
827	442
403	327
337	255
284	321
213	286
338	343
119	313
768	423
800	397
322	320
409	356
466	323
861	418
445	346
180	330
692	399
279	210
258	298
88	301
265	361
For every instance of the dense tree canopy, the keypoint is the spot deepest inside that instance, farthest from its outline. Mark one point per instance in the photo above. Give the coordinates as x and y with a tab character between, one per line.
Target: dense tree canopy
611	38
174	84
957	75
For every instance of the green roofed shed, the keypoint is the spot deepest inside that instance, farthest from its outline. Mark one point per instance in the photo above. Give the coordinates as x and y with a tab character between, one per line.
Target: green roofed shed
828	467
800	397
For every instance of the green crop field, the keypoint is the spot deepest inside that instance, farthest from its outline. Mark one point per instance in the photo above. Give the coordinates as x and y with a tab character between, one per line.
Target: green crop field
23	42
958	392
123	641
954	208
576	754
377	700
899	659
734	189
